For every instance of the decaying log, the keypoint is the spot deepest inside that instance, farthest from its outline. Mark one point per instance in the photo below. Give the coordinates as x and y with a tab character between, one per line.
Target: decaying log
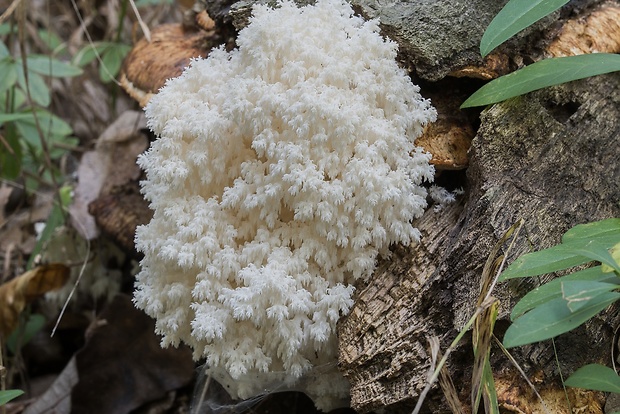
550	158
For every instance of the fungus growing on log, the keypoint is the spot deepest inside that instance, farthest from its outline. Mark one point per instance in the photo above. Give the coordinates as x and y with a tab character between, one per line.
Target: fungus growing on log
282	169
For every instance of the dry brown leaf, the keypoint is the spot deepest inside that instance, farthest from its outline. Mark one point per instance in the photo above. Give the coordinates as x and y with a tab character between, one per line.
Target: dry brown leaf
112	163
18	292
57	398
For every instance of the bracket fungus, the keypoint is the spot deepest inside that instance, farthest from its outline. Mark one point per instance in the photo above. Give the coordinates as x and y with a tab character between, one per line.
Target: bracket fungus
149	64
282	169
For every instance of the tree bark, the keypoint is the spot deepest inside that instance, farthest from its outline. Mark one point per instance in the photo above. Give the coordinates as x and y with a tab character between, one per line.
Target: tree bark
550	158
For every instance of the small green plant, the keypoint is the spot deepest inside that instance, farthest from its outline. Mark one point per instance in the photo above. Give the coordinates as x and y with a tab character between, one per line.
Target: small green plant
569	301
31	133
514	17
111	54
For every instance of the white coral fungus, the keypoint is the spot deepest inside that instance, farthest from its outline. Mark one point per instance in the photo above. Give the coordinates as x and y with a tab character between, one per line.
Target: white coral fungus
282	169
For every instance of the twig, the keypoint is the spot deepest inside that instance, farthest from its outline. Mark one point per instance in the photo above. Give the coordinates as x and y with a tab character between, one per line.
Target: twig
143	26
92	43
9	11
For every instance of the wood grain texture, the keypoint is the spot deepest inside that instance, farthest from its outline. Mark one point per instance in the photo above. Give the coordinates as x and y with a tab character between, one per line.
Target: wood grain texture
550	158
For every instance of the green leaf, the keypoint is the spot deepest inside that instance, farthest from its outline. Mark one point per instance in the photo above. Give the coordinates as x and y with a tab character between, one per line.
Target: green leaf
60	145
8	395
554	318
553	289
112	60
8	69
51	125
597	251
17	339
542	74
39	92
555	258
604	231
51	40
87	54
489	388
581	244
16	99
4	51
6	28
48	66
11	157
514	17
595	377
577	293
16	116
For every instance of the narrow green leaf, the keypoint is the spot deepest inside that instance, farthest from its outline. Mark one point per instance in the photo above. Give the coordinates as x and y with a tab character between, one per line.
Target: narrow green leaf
39	91
491	404
577	293
55	219
595	377
542	74
555	258
514	17
552	319
18	100
6	28
599	230
597	251
4	51
112	60
16	116
87	54
51	40
8	69
51	125
553	289
8	395
48	66
11	156
18	339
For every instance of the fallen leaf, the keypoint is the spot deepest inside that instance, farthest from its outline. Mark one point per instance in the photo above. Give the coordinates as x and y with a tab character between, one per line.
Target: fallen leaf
112	163
57	398
18	292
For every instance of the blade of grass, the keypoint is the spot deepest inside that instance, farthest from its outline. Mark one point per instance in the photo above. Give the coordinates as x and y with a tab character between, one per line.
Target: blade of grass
542	74
514	17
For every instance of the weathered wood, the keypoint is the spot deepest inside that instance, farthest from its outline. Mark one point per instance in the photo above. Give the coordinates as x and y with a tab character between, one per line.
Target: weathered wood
551	158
